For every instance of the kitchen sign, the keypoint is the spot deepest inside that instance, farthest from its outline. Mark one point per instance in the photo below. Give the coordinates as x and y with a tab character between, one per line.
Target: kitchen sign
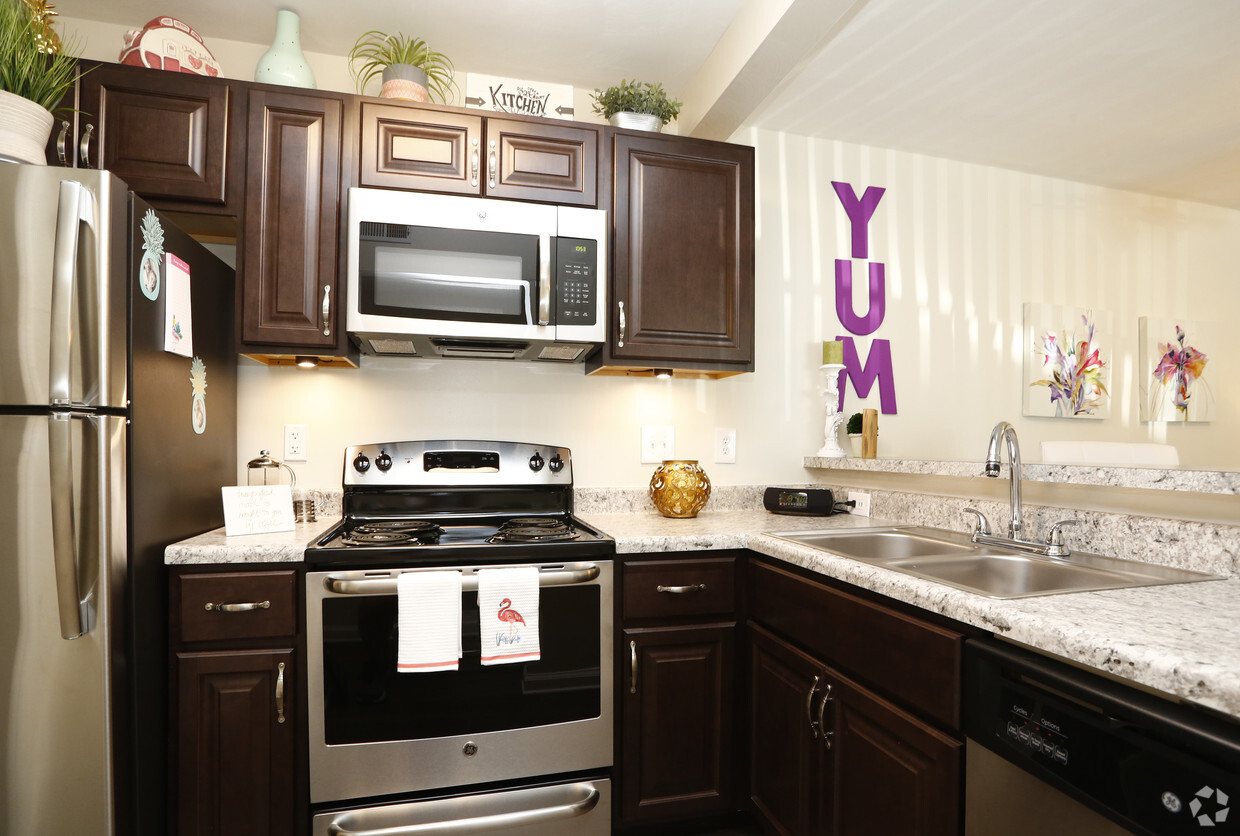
524	98
877	365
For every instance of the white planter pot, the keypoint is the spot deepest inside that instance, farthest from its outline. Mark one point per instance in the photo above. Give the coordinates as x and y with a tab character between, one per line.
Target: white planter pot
24	129
636	121
854	444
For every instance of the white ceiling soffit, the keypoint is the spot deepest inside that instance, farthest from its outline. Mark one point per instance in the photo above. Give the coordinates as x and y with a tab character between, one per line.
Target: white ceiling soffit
1142	95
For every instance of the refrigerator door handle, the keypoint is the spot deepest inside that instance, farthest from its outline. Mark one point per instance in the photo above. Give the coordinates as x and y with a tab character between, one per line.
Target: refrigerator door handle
76	207
64	526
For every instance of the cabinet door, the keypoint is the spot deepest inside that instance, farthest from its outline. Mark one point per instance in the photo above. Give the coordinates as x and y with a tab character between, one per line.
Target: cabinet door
678	725
419	148
165	134
684	257
547	162
890	773
787	754
290	293
235	743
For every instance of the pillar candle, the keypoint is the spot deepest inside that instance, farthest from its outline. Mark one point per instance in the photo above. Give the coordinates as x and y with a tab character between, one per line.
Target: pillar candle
833	352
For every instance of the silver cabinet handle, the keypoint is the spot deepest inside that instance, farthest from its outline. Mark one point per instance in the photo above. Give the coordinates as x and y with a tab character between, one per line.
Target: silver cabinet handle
64	526
246	607
809	708
620	343
327	310
84	147
62	143
473	166
442	817
822	728
345	585
492	166
280	693
681	590
633	667
544	279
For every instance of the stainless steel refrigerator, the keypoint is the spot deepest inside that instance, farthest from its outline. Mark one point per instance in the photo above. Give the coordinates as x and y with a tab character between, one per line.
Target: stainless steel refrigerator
111	447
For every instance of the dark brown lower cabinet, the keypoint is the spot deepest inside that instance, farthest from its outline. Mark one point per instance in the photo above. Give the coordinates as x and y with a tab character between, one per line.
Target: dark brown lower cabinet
236	743
828	756
677	703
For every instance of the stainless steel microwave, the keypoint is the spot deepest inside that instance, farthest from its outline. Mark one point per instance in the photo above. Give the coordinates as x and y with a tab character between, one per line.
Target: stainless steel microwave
448	276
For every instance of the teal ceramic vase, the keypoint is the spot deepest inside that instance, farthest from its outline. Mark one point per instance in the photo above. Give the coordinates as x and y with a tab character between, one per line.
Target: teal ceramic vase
284	62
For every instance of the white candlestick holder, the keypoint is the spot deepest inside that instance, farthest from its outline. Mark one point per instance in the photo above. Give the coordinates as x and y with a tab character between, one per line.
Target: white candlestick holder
831	396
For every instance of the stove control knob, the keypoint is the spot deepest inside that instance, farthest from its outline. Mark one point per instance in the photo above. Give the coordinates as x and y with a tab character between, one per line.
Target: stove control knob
536	462
361	464
556	464
384	462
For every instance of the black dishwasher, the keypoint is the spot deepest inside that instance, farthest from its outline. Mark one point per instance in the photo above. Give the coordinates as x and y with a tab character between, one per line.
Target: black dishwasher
1149	764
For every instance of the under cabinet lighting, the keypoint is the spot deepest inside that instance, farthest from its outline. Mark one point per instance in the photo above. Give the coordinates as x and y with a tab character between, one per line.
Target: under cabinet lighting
663	374
307	362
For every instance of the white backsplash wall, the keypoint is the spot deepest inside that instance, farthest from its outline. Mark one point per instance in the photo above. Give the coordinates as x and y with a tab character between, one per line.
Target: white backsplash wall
964	246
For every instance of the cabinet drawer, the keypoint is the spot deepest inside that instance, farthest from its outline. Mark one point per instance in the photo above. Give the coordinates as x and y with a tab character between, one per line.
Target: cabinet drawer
915	662
203	618
671	588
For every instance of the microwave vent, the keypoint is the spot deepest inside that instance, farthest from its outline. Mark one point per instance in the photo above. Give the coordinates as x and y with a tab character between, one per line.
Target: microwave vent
395	347
375	231
565	352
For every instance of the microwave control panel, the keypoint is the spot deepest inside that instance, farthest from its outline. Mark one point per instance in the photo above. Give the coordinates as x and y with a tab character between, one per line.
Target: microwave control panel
576	281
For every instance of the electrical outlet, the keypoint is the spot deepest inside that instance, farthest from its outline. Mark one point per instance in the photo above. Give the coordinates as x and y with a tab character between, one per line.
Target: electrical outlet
862	508
295	438
658	444
725	445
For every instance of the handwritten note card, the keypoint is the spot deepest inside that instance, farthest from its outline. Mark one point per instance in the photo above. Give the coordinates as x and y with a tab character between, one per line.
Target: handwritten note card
258	510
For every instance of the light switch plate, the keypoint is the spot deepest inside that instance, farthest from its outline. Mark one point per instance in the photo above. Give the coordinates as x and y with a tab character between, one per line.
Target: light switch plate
658	444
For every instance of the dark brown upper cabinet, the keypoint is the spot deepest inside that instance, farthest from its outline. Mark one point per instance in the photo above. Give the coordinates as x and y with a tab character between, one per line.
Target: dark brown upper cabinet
456	152
683	266
166	134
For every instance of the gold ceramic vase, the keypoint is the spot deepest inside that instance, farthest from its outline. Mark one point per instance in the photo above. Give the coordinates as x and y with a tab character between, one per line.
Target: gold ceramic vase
679	488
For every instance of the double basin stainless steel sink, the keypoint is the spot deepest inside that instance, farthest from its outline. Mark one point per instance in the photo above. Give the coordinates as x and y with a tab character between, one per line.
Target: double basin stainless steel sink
951	558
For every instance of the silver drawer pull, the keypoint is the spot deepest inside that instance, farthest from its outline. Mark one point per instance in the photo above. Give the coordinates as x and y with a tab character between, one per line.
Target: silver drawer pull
327	310
822	708
246	607
633	668
681	590
280	694
809	708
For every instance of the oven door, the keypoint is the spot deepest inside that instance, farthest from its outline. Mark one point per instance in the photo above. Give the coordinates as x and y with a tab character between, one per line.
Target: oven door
375	732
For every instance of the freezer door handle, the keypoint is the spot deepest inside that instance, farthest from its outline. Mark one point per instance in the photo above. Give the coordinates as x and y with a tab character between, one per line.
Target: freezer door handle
64	527
545	806
75	208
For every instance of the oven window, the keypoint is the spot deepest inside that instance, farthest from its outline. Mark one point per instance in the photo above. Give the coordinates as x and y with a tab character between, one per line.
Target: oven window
447	274
367	701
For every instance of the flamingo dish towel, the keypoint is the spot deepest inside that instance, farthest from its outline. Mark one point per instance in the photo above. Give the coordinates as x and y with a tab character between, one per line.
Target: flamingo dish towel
508	614
428	619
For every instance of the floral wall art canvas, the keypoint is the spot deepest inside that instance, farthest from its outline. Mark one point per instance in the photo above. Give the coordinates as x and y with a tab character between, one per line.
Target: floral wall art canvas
1176	366
1067	362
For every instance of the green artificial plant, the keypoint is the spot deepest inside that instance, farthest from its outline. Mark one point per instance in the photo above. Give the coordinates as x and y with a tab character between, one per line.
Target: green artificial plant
636	97
376	50
26	69
854	424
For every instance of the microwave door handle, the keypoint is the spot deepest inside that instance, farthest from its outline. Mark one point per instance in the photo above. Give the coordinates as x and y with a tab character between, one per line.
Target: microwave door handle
544	279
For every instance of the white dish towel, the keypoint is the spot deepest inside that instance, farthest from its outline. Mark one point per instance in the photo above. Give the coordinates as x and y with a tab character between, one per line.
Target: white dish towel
428	619
508	614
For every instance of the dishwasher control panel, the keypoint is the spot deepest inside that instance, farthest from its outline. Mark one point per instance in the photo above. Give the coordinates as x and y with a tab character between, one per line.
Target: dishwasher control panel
1150	764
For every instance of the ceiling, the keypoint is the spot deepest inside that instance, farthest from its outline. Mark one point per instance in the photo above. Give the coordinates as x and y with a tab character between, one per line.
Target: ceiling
1141	95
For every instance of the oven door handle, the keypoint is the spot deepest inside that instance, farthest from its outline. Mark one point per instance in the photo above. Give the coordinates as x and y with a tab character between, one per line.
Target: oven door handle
344	824
342	585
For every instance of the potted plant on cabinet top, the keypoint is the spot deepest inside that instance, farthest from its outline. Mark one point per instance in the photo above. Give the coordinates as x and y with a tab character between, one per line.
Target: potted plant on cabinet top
634	104
854	434
410	69
35	73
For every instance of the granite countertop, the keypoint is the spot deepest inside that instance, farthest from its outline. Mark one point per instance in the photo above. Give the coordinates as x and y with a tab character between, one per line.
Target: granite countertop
1177	639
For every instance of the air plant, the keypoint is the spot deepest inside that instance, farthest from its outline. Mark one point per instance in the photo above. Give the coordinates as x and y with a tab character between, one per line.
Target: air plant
1076	381
1179	367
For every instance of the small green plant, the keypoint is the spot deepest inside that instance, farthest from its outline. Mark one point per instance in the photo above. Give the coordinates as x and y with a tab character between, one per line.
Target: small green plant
636	97
25	70
854	424
375	50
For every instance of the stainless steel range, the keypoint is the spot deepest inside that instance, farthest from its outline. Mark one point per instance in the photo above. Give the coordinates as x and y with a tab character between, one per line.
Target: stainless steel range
520	748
